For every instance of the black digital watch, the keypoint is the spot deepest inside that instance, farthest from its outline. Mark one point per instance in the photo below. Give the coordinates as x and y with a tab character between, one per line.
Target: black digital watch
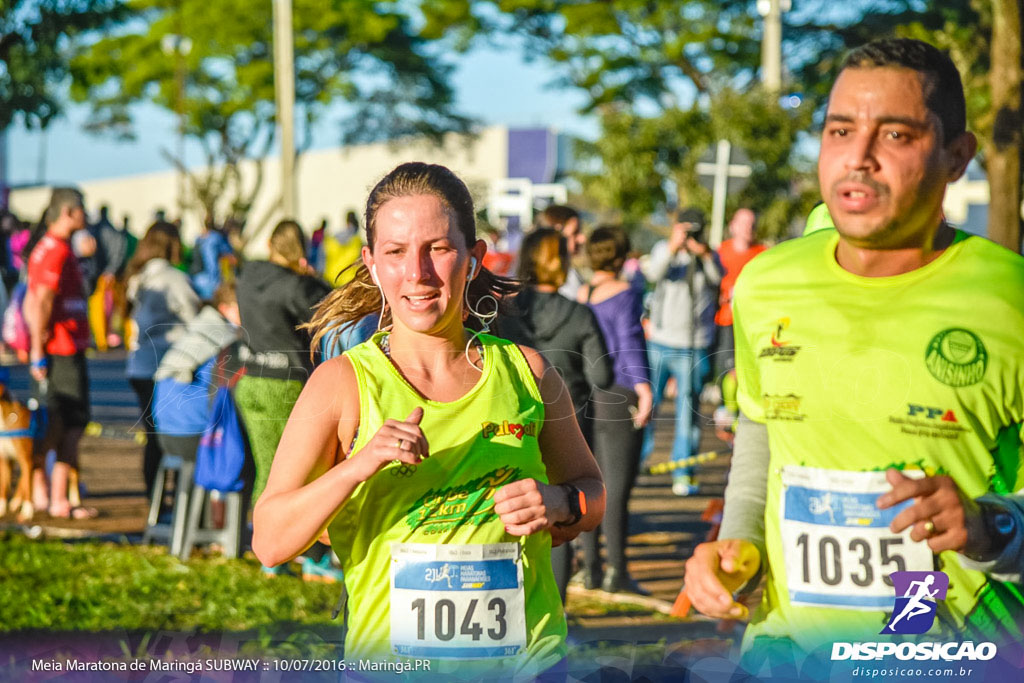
577	505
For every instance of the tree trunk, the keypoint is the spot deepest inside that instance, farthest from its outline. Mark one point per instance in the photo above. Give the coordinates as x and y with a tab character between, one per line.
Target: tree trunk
1003	151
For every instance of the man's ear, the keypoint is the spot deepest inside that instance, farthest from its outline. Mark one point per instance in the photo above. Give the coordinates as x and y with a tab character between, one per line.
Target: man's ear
960	152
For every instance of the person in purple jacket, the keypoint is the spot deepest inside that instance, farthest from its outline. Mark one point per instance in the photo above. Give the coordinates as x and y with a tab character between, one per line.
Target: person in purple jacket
621	411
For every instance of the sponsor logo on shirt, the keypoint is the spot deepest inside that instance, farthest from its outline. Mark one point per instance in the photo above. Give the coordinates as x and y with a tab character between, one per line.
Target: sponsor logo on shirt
490	430
956	357
928	421
441	510
780	349
783	407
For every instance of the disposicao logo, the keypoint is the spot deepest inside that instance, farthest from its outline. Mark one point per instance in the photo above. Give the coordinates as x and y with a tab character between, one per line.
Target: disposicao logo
917	594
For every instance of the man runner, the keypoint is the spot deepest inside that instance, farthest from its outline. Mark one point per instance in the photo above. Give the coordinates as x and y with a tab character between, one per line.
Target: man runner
879	362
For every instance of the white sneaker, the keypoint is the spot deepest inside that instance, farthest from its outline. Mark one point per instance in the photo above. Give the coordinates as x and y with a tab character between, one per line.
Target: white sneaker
684	485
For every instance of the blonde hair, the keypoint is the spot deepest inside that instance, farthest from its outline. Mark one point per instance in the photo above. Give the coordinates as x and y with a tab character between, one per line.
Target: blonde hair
360	297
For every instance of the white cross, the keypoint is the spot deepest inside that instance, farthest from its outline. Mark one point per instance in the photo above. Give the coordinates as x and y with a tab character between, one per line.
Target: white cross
721	171
960	195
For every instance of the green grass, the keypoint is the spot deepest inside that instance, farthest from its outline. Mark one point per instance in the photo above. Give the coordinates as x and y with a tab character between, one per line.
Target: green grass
88	586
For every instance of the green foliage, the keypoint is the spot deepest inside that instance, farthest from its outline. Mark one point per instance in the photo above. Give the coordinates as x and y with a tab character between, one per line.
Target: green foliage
368	55
640	164
35	38
668	79
636	52
100	586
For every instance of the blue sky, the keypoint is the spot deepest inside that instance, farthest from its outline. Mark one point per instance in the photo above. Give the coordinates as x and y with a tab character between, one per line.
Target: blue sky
494	85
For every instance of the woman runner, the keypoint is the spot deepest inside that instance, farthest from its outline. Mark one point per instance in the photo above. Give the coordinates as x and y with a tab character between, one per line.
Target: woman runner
442	463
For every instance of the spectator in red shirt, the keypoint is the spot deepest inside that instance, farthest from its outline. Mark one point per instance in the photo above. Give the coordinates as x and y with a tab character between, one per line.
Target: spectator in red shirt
734	253
56	313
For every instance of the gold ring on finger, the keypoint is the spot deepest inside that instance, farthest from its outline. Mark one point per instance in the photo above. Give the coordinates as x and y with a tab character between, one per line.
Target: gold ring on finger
399	444
929	527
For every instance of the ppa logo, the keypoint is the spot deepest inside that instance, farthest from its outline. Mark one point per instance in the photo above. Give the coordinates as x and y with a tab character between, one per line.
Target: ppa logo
917	596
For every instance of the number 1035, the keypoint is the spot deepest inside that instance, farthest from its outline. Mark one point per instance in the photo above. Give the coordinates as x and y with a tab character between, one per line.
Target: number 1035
858	554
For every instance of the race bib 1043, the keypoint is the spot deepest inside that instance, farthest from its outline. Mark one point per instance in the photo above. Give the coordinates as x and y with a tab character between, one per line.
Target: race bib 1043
838	547
457	601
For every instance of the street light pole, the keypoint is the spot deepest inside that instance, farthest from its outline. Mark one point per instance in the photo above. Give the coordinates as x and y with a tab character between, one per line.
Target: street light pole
284	86
771	42
179	46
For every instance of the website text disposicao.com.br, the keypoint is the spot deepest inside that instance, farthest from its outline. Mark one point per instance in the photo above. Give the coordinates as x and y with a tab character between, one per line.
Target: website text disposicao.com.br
912	672
911	659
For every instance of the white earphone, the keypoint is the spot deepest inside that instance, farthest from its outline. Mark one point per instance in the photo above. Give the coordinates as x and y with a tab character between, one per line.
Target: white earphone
373	274
472	267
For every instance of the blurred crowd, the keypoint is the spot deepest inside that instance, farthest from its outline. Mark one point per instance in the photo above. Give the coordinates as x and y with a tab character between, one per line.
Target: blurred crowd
626	330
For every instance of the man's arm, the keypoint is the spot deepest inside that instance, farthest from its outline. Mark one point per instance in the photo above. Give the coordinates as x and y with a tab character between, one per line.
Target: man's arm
747	487
37	308
657	263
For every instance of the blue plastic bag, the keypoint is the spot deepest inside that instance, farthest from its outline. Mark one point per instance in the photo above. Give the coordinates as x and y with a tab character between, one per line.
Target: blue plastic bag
221	453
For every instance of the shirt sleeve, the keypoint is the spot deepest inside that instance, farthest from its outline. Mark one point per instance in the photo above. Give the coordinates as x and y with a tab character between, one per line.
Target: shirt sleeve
658	262
1009	565
632	343
748	392
747	490
44	267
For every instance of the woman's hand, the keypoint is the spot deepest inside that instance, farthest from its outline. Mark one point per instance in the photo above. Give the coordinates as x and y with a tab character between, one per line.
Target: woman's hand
527	506
403	441
644	406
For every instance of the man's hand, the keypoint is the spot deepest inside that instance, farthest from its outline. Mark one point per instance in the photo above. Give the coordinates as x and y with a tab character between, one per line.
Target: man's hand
955	520
677	240
696	247
717	570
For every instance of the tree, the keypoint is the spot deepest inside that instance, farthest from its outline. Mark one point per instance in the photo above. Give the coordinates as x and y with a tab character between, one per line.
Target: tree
642	164
366	54
639	61
1003	149
35	38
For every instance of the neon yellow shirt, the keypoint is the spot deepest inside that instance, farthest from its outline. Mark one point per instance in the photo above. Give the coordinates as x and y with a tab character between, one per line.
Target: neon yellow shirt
921	371
482	441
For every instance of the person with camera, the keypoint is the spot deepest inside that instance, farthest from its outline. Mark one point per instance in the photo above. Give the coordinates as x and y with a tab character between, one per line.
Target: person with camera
686	274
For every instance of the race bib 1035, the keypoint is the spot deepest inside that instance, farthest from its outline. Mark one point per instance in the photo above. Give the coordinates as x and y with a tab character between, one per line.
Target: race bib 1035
838	547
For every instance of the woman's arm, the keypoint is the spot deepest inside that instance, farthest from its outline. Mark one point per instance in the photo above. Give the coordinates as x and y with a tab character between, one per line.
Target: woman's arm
310	479
528	506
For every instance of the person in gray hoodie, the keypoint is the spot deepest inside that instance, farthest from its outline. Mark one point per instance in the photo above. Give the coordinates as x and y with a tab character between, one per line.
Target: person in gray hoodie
686	274
182	398
161	303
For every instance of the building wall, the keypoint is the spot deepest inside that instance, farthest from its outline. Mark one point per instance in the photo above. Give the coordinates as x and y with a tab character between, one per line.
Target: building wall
330	183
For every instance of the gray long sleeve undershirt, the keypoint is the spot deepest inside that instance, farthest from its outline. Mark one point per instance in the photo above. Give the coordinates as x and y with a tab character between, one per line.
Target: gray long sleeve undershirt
747	488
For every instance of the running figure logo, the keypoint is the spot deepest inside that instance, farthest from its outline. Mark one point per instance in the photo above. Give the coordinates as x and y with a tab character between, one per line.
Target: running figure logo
917	594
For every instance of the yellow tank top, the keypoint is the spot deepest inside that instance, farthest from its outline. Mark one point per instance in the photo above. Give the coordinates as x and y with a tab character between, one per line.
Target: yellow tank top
478	443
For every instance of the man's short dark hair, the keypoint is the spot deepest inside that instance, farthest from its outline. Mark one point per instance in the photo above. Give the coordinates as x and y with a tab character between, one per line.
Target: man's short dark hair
944	91
62	198
607	248
556	216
